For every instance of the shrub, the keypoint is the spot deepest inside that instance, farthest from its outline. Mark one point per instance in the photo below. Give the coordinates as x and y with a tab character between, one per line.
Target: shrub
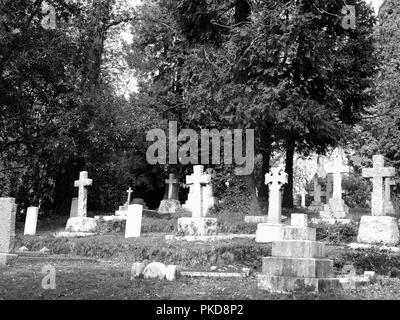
373	259
337	233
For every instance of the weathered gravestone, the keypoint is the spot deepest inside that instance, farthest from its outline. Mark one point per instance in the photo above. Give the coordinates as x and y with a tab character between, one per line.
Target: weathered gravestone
133	221
170	203
82	223
73	212
388	206
317	204
8	211
274	230
378	228
198	224
303	194
335	207
297	261
31	221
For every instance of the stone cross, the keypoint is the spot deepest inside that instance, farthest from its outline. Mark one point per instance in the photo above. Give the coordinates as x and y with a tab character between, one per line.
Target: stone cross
303	194
82	183
172	182
378	172
337	171
129	191
317	193
275	179
328	192
197	179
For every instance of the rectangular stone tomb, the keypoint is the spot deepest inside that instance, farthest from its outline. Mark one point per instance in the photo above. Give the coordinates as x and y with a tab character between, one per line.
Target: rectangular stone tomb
298	262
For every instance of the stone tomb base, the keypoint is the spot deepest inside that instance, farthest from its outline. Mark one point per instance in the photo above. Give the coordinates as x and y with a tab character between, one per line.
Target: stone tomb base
278	284
197	227
169	206
297	263
378	229
81	225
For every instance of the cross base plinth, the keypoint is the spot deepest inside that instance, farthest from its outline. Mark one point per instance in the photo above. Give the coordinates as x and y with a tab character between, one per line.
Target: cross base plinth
197	227
81	225
169	206
378	229
267	232
6	258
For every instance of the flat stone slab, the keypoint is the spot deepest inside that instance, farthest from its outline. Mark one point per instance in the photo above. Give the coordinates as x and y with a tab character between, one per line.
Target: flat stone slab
369	246
110	218
378	229
260	219
210	238
279	284
73	234
277	232
196	274
330	221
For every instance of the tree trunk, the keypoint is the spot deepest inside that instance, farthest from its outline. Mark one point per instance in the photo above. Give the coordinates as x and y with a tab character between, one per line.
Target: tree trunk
64	189
263	189
288	188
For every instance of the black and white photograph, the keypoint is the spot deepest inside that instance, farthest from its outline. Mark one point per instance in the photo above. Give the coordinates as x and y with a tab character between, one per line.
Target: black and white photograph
199	155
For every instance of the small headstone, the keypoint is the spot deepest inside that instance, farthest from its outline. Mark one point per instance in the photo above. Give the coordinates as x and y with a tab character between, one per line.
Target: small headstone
133	221
31	221
170	203
155	270
23	249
